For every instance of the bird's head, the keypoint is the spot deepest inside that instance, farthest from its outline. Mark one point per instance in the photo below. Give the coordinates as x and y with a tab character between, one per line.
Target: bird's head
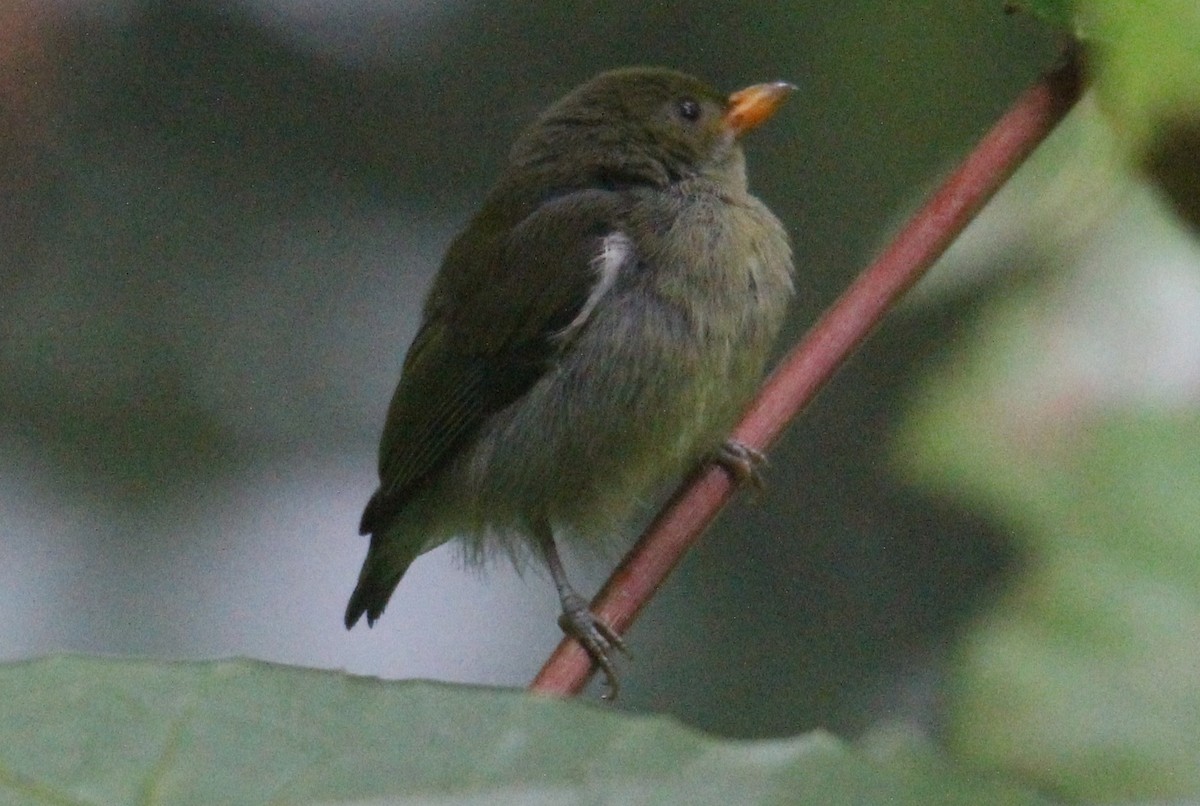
644	126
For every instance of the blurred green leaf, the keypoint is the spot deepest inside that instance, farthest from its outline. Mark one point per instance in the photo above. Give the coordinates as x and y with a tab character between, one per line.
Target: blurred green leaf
1147	62
80	730
1088	677
1146	68
1084	677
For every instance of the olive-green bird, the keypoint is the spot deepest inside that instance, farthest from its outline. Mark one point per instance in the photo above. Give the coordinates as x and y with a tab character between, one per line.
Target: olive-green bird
595	330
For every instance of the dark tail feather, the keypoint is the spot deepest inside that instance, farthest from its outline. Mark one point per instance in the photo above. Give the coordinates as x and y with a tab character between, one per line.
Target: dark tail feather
378	579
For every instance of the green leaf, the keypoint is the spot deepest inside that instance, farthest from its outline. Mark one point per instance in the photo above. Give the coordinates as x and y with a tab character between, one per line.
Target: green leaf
1060	421
79	730
1088	676
1146	60
1146	68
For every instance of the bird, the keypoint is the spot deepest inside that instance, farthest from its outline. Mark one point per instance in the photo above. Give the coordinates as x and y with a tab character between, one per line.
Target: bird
594	331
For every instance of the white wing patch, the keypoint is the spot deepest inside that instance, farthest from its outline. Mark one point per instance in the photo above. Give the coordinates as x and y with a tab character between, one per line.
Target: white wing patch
615	249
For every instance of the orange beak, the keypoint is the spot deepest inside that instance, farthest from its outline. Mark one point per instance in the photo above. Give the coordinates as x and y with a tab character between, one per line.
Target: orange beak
755	104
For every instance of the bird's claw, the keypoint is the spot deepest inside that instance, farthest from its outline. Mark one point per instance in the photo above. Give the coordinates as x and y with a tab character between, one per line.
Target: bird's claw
742	462
596	637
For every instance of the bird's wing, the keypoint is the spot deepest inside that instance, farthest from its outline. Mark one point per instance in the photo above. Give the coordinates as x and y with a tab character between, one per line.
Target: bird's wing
506	300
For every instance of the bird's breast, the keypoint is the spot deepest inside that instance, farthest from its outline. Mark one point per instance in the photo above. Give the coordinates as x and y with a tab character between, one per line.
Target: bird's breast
681	334
724	264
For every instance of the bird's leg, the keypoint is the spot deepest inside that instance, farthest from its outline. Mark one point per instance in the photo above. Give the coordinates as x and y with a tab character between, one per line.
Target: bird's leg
578	621
742	462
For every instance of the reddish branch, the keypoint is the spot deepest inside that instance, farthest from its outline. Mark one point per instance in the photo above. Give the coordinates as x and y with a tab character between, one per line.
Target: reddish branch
810	365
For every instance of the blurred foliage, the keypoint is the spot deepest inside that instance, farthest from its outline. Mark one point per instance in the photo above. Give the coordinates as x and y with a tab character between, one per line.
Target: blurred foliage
1084	676
1070	414
1147	71
1146	68
116	732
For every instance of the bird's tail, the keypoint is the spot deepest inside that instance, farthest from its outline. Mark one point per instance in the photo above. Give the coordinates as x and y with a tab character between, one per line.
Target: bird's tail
381	573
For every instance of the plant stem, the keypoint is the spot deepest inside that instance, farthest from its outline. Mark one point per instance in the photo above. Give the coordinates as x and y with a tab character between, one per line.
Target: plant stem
811	364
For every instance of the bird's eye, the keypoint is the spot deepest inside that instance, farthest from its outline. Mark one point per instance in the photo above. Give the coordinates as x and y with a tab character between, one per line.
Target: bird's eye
689	109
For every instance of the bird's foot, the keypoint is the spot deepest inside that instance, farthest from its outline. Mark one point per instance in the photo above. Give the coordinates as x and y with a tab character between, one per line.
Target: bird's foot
594	635
742	462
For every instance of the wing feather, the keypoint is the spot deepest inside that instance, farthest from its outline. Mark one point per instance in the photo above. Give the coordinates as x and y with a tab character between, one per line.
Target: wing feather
507	300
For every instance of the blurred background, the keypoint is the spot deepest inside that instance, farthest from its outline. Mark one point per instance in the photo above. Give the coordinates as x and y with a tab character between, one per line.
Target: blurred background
217	224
